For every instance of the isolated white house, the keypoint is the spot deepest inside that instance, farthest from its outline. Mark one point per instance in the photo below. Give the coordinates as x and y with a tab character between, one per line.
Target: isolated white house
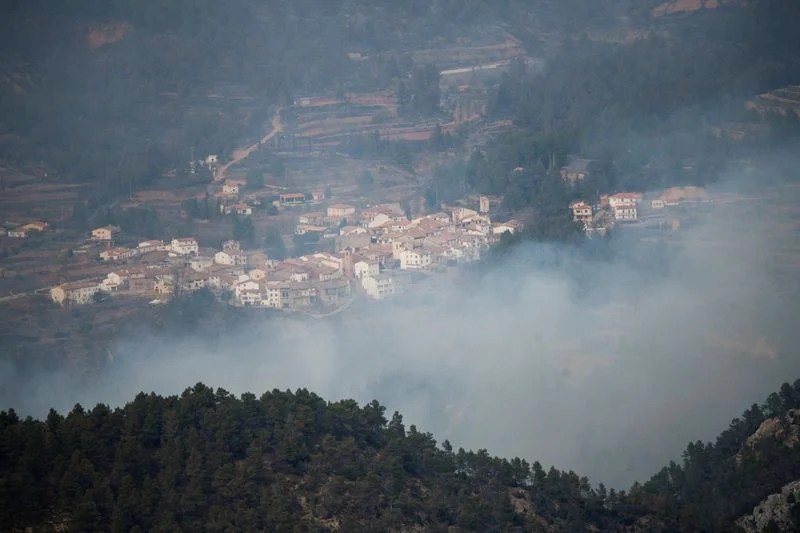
105	233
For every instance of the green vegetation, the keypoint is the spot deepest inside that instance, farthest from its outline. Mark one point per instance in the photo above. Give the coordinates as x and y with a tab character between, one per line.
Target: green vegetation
291	461
117	92
643	111
422	96
274	246
243	231
255	179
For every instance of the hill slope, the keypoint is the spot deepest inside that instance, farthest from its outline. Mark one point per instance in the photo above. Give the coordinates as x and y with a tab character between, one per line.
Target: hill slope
210	460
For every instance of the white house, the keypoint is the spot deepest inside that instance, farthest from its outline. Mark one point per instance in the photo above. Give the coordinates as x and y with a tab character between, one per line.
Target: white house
150	246
581	212
378	220
230	188
351	230
200	262
378	287
340	210
291	198
184	246
81	292
253	298
112	282
245	287
230	257
257	274
240	209
105	233
414	259
511	226
624	199
625	213
117	254
164	284
366	268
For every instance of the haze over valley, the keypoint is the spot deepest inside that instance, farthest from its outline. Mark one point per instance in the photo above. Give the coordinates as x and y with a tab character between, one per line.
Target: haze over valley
563	232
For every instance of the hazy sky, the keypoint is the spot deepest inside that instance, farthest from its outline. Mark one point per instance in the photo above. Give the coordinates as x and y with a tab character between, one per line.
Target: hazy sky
605	366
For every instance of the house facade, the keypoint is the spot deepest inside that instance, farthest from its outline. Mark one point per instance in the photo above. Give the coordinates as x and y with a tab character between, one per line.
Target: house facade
184	246
512	226
76	293
105	233
291	198
230	188
113	282
340	210
581	212
230	257
414	259
378	287
117	254
151	246
623	206
366	268
625	213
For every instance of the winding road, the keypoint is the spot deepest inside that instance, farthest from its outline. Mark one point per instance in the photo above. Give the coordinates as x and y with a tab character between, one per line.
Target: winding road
240	154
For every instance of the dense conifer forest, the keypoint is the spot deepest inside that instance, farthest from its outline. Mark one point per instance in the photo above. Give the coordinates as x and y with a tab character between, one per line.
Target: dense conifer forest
291	461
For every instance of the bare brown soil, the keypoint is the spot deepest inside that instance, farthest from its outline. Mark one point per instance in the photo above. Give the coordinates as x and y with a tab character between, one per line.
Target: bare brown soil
106	34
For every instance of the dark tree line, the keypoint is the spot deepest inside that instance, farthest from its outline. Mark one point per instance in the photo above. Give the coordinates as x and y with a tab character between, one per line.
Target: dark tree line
291	461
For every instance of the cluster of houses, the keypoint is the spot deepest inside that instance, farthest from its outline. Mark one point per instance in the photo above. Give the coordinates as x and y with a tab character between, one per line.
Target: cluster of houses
612	209
624	207
232	201
375	247
23	231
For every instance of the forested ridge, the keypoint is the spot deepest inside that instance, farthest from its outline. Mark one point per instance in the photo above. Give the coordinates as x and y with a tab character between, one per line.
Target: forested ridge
209	460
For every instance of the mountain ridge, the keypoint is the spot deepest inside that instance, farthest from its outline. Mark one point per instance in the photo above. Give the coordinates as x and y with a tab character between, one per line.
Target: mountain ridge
290	460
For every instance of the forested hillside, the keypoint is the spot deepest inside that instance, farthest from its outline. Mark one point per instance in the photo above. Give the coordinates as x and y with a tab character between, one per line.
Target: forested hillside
647	111
118	92
208	460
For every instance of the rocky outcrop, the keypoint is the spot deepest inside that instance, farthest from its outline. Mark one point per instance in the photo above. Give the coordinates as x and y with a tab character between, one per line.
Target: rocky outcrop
785	429
779	101
687	6
777	512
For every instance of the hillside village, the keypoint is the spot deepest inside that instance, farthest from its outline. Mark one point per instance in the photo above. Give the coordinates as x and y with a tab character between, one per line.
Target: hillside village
378	248
302	182
350	250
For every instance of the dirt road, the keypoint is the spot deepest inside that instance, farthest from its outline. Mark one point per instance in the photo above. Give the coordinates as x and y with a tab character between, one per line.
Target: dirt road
241	154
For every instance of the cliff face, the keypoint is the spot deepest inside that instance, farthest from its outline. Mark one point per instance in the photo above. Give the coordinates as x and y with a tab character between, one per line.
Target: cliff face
785	430
777	512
